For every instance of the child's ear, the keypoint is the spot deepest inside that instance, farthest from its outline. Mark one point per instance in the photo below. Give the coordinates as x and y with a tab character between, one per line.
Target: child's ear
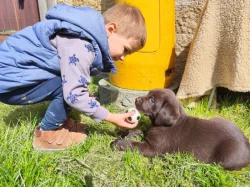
111	28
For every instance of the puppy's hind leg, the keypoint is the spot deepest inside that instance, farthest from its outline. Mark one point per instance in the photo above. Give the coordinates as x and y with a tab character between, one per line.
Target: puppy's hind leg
231	155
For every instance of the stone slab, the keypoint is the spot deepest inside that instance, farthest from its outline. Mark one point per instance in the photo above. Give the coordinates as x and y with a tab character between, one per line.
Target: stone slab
122	98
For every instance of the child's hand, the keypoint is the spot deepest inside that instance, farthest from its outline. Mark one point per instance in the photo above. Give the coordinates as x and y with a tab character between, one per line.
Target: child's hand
120	120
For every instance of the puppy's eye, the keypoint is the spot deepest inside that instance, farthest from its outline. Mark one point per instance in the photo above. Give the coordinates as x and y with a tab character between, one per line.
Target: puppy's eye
152	100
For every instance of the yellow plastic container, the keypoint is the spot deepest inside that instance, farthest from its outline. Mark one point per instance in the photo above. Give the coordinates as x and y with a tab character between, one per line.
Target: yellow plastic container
152	66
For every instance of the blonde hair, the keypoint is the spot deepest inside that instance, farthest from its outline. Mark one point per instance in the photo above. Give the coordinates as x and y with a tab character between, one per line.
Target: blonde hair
130	21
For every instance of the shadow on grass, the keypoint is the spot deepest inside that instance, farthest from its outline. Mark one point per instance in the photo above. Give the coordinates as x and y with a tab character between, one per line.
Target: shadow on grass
228	98
33	113
224	93
101	129
89	180
28	113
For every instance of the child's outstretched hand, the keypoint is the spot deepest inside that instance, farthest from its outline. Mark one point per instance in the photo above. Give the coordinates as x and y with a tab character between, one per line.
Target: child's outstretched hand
120	120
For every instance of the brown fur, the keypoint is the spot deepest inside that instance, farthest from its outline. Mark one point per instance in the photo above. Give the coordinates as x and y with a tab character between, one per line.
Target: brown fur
211	141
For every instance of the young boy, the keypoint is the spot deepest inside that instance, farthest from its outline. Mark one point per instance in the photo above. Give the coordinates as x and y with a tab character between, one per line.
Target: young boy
54	59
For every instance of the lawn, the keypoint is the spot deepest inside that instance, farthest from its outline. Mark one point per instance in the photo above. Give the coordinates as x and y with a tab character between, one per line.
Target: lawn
94	163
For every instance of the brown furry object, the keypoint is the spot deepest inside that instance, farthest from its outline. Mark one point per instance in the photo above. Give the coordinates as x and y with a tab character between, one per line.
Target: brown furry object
211	141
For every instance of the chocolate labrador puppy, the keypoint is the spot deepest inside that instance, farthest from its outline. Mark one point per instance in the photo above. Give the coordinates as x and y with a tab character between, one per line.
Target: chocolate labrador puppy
211	141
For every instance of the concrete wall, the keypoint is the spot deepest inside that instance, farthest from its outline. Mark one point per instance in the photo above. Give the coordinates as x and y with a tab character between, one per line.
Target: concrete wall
187	15
100	5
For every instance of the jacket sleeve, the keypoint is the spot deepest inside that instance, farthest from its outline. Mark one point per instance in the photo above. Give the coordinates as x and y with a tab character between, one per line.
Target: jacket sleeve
76	57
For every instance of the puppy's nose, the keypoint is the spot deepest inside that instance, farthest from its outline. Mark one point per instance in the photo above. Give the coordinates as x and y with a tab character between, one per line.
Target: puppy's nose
138	100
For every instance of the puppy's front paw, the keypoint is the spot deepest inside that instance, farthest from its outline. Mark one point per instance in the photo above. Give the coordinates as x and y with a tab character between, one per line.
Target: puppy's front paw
121	145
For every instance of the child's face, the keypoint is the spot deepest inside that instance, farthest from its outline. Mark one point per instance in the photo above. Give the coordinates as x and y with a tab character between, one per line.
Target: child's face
120	46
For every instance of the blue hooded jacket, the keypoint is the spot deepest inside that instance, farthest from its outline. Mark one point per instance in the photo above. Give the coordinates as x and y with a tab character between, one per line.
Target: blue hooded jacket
27	57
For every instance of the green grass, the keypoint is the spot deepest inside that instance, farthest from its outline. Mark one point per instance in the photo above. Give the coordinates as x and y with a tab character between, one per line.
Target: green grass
94	163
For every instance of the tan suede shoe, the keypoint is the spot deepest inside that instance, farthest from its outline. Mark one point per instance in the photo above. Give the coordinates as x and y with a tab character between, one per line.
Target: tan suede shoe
69	134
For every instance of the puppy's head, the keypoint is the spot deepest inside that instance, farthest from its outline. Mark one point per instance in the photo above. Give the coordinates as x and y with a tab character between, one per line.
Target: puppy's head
161	106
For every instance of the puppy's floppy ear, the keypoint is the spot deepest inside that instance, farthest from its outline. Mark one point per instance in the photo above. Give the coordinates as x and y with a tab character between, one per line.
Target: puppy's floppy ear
167	116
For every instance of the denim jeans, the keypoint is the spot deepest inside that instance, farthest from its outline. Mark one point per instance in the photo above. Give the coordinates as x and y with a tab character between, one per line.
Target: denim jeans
49	90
